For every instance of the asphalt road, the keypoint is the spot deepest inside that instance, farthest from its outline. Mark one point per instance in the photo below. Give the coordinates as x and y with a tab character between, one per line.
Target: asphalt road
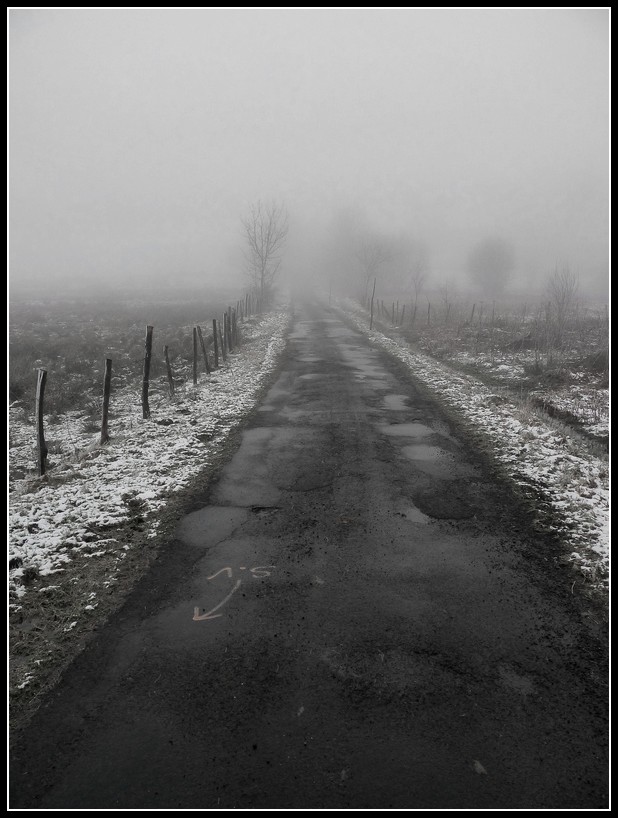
355	618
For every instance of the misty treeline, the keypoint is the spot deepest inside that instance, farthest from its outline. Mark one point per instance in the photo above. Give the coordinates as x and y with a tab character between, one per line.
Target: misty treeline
353	253
356	259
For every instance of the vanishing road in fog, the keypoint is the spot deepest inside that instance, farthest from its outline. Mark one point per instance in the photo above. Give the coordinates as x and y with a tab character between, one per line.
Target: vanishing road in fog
355	618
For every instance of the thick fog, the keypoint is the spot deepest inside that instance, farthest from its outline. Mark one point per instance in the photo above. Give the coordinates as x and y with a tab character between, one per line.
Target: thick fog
140	138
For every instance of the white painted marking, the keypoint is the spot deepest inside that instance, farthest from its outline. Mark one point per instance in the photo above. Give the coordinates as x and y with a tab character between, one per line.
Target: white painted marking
260	571
229	573
197	617
478	768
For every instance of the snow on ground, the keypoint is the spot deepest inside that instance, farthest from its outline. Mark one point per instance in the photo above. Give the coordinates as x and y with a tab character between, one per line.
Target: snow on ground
91	489
97	487
584	401
501	365
553	467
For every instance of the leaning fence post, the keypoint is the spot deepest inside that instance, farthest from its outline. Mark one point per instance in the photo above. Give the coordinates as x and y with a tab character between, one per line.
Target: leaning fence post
203	346
107	388
230	344
215	341
38	410
168	367
146	380
222	341
235	327
194	356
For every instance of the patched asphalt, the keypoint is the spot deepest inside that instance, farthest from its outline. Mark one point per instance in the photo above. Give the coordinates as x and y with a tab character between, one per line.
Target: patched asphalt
357	617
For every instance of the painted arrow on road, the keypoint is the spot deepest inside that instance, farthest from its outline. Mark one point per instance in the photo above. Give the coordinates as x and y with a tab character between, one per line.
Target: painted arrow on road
197	617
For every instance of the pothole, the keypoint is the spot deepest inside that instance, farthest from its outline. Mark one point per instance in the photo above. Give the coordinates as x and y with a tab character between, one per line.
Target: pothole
443	503
405	429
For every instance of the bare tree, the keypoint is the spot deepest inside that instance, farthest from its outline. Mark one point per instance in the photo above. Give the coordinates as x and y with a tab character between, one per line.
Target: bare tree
372	253
489	265
265	229
562	288
418	282
447	304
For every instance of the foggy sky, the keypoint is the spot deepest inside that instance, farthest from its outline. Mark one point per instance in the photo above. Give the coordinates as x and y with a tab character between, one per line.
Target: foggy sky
138	138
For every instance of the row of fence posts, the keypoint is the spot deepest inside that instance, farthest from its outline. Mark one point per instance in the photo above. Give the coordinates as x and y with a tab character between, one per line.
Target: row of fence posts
225	338
396	317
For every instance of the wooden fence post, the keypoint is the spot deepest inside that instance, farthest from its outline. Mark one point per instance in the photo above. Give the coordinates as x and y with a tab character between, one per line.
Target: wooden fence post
228	315
215	342
235	327
428	313
146	379
372	296
222	342
194	356
523	315
203	346
168	367
38	410
107	388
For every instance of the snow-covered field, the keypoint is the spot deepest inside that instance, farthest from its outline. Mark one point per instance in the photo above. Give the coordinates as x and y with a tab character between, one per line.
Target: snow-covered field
585	402
550	466
91	489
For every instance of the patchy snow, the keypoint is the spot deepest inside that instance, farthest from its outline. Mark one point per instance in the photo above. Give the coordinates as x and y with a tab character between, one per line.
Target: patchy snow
586	403
90	489
501	365
554	468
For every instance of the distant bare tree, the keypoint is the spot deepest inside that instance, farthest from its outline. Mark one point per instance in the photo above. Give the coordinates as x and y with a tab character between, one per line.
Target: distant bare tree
562	289
445	300
265	229
372	253
489	265
418	282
